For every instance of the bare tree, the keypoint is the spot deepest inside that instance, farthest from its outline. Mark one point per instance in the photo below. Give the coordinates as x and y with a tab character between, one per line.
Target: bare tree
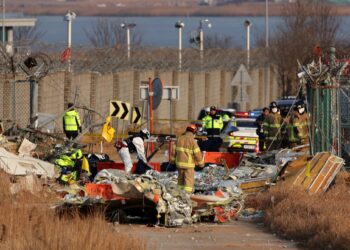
27	35
107	33
305	24
218	42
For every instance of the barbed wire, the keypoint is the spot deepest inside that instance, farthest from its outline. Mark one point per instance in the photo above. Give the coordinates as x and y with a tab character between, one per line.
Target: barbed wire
106	60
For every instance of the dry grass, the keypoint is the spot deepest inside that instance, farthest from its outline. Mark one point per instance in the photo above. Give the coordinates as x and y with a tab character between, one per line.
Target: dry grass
318	221
27	222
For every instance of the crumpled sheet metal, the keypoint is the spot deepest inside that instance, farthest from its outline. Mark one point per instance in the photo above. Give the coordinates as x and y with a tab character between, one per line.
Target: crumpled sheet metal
22	166
169	200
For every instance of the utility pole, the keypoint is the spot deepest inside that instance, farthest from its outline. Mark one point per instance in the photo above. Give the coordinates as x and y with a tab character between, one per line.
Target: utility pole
266	23
3	22
267	68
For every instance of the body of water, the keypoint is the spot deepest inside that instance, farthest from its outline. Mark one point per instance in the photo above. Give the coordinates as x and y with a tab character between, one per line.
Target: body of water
160	31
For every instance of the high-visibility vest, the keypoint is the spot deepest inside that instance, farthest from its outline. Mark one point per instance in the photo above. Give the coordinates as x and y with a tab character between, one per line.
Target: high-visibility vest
71	120
213	125
212	122
68	160
226	118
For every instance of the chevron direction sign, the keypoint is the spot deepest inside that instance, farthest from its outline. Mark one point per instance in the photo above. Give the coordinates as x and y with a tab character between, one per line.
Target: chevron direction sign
136	116
119	110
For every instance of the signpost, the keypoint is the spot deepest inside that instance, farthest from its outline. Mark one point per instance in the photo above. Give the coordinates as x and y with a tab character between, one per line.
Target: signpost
136	116
170	93
241	78
119	110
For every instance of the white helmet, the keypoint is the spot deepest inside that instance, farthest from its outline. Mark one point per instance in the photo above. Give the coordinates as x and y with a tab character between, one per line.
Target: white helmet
145	133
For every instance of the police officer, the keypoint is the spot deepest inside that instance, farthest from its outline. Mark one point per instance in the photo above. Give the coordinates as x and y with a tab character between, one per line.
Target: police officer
185	154
271	127
71	122
298	126
213	124
131	145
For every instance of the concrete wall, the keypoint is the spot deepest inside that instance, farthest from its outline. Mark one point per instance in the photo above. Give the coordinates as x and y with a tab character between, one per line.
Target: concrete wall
197	90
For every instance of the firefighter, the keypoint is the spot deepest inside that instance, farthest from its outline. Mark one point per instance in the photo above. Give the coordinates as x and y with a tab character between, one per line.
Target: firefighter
213	124
185	154
271	127
131	145
260	130
71	122
298	126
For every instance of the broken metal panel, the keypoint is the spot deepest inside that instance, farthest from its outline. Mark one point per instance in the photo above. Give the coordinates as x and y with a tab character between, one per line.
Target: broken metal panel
254	186
319	173
22	166
326	175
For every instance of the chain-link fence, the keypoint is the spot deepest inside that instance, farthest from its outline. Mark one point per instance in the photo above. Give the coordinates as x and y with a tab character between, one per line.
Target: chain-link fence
100	75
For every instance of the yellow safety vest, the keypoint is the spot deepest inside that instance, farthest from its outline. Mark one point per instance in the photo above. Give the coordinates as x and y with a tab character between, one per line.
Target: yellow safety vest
71	120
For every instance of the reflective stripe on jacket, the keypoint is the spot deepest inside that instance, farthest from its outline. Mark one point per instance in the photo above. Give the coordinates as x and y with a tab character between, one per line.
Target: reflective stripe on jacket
271	126
71	120
186	153
298	128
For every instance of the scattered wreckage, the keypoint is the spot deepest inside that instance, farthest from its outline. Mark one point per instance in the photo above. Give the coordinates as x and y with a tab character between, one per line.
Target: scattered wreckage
220	188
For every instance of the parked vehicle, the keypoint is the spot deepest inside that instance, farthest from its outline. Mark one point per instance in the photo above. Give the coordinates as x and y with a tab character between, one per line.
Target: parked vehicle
242	138
241	114
255	112
286	103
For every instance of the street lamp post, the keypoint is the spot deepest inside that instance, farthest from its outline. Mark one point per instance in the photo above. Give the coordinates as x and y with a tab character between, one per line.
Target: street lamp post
69	17
267	23
201	37
3	21
179	25
128	27
267	70
247	24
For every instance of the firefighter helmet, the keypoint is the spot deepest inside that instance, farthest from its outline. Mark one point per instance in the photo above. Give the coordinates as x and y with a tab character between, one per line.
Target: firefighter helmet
273	105
192	128
300	105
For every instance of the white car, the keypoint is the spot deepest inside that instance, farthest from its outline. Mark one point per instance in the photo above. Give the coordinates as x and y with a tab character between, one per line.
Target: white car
240	135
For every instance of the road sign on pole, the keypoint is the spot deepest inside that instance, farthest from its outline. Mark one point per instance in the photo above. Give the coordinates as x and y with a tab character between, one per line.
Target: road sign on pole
241	79
120	110
136	117
169	93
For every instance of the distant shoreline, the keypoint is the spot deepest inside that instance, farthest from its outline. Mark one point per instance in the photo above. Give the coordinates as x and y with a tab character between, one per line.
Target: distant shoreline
248	9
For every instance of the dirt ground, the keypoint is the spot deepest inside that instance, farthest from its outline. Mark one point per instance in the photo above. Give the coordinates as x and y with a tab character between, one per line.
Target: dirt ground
233	235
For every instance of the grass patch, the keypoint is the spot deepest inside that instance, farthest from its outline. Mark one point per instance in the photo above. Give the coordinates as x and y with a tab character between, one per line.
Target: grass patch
319	221
27	222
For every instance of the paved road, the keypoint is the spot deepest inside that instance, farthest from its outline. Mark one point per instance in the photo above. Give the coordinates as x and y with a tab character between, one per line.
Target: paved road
234	235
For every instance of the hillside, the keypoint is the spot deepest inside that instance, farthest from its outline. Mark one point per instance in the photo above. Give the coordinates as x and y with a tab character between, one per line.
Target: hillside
145	8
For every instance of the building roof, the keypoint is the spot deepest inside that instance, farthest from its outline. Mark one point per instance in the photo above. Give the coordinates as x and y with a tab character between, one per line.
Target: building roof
18	22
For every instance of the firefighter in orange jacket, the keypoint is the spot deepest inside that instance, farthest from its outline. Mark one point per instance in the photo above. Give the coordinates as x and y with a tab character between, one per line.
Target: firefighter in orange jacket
185	154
